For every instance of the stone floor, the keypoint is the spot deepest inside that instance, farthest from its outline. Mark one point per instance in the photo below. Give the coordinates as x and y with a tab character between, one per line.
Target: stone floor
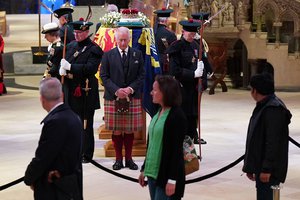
224	123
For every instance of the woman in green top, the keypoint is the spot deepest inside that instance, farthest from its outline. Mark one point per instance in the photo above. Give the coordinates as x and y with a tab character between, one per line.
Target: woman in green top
164	164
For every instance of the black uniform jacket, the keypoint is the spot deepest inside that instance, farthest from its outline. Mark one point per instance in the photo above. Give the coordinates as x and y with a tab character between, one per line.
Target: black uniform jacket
183	63
114	76
85	58
267	139
59	149
172	162
170	37
54	58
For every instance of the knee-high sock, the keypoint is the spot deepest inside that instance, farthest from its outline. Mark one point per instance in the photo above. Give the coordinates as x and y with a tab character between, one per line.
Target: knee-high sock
128	143
118	145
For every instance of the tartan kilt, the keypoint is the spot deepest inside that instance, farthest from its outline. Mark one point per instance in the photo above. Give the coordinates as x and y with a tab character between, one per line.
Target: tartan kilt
130	121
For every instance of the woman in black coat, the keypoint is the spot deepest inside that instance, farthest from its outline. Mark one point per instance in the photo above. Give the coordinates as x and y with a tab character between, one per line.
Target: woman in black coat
164	164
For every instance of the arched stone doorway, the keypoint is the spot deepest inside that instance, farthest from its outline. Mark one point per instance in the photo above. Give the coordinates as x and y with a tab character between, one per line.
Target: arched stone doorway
238	66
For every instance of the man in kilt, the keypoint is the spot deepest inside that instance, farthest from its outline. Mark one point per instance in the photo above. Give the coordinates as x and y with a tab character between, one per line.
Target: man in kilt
122	73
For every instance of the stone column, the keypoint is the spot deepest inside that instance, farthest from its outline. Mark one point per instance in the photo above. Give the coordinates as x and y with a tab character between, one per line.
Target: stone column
297	43
277	26
258	21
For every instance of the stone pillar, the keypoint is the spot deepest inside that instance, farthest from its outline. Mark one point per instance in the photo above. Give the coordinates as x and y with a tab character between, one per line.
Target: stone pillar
277	26
297	43
258	21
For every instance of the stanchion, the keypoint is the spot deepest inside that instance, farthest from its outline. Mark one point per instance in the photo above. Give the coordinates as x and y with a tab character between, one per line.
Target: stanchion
276	192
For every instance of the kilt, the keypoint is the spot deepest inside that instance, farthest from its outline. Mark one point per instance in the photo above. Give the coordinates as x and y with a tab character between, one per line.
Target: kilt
130	121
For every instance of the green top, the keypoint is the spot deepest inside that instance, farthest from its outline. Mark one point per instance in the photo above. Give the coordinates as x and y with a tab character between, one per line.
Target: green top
153	157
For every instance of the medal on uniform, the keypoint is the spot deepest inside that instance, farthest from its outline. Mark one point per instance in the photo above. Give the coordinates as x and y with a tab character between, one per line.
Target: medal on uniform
75	54
51	52
83	49
193	59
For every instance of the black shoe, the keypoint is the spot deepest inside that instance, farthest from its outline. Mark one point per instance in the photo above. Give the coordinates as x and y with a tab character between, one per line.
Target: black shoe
85	160
203	141
196	141
118	165
131	165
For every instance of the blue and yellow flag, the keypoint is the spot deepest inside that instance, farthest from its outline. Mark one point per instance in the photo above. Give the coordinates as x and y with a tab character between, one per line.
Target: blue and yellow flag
142	39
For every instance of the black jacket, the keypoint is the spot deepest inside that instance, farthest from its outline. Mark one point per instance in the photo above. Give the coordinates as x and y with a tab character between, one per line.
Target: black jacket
54	58
267	139
59	149
172	162
85	58
114	76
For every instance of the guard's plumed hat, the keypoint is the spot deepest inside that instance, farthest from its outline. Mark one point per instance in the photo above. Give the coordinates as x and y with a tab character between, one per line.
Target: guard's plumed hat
263	83
81	25
50	27
163	12
63	10
190	25
201	16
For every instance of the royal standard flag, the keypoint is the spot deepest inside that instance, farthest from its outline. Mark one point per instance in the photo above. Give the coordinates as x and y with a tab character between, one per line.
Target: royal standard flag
142	39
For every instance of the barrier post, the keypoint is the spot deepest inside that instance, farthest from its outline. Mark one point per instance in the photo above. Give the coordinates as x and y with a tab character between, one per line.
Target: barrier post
276	192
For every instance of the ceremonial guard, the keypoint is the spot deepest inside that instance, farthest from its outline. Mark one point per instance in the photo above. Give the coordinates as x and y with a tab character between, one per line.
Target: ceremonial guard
2	86
83	57
64	16
184	65
163	37
51	31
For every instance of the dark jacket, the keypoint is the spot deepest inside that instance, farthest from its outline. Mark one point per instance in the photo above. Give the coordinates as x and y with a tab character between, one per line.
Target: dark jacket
267	139
59	149
169	36
172	162
183	63
114	76
85	58
54	58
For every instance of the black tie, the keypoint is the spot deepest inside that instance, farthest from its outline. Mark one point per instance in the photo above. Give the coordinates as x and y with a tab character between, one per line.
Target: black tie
123	56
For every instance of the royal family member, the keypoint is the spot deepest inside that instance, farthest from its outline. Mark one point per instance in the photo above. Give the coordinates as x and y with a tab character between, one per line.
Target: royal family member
122	73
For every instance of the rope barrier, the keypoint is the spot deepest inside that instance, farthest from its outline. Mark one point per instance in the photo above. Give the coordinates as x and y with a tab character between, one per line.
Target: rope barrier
201	178
3	187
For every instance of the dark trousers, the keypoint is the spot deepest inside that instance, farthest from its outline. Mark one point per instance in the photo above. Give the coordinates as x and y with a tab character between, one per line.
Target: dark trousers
192	126
88	137
263	190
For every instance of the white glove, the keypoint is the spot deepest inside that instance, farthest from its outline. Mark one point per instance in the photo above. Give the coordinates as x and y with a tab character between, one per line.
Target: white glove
199	71
62	71
65	64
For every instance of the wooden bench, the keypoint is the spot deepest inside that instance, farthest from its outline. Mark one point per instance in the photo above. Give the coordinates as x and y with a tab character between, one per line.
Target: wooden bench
3	22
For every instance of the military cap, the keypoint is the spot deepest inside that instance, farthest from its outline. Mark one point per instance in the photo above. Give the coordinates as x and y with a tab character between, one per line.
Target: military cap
81	25
201	16
163	12
66	8
50	27
190	25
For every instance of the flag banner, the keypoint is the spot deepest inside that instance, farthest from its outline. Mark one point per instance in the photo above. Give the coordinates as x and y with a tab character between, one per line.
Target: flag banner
142	39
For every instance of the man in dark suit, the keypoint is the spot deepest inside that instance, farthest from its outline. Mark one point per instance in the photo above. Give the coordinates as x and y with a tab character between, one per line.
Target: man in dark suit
58	155
163	37
64	16
122	73
83	58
